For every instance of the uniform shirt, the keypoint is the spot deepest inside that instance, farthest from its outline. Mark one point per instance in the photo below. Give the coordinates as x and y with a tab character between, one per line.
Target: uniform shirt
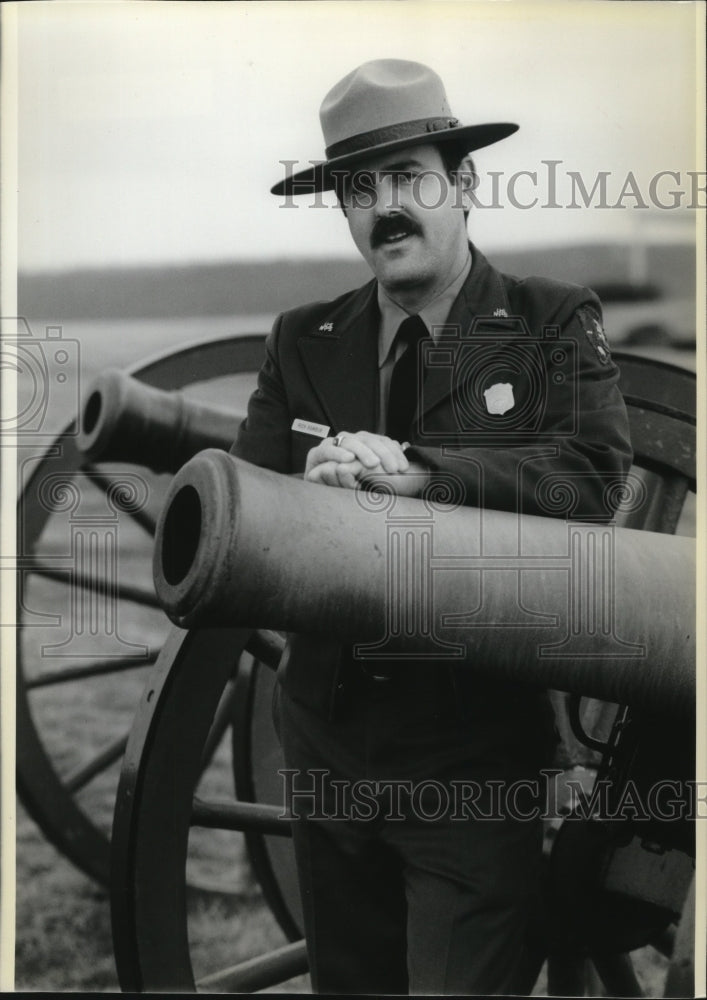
433	315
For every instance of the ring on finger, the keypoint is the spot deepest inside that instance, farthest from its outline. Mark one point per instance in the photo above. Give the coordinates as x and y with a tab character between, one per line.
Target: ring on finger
338	439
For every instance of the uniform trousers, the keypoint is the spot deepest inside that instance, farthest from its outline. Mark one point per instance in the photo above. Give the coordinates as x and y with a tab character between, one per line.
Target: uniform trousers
414	878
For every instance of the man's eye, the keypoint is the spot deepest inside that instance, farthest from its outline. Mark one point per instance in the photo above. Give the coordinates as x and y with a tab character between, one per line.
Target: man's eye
364	181
399	176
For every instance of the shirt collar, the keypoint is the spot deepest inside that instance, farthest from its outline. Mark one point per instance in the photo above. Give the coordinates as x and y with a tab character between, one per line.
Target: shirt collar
434	314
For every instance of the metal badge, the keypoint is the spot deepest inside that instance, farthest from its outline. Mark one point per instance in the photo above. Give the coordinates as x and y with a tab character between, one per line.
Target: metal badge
499	398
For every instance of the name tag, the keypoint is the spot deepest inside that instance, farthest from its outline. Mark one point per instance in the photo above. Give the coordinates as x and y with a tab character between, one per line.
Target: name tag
308	427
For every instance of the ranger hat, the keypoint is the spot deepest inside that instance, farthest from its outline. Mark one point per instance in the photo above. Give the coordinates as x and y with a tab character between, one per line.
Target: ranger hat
381	106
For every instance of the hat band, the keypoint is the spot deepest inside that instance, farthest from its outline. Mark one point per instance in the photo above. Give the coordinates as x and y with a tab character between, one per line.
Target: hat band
376	137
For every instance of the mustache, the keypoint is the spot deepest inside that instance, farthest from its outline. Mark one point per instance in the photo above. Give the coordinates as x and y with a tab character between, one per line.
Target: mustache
389	225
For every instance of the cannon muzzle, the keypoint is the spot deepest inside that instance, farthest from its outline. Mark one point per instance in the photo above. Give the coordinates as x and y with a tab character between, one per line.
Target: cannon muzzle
593	609
124	420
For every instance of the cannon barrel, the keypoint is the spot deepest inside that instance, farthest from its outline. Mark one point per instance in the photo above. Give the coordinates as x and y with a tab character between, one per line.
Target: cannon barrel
124	420
593	609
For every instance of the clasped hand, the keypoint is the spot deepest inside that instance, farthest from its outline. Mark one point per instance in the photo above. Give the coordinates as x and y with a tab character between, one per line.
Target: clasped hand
358	456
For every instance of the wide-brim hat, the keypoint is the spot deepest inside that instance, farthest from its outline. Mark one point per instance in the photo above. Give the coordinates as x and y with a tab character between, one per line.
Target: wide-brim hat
382	106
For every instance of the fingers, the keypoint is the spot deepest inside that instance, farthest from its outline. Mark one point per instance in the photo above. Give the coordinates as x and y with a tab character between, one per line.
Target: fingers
373	450
407	484
342	461
348	474
327	451
342	474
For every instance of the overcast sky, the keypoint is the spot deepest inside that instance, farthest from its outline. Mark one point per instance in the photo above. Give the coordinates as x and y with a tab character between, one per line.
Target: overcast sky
152	132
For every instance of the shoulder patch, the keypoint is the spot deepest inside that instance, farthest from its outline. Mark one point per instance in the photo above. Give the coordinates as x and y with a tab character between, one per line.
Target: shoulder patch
591	324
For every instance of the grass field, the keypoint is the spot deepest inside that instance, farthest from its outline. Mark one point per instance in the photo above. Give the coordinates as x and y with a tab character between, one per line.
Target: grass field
63	923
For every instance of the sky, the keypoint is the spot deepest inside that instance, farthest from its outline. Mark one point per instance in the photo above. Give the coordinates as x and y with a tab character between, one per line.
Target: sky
152	132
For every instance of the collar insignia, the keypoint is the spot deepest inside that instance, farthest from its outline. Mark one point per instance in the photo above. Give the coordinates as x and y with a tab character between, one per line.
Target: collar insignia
594	331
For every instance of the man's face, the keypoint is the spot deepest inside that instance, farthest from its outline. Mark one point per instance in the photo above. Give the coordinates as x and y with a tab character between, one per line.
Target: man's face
406	218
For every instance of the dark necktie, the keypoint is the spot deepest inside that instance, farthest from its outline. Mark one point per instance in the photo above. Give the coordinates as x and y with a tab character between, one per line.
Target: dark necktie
405	384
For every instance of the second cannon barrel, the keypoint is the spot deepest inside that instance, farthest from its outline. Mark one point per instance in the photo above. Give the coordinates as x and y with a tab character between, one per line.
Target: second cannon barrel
124	420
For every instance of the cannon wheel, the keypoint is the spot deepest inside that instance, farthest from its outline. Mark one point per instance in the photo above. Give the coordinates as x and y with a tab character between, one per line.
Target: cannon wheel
67	780
156	807
158	790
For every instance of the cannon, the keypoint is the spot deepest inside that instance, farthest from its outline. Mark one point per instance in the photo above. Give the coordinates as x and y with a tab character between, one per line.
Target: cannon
154	933
87	510
603	611
126	421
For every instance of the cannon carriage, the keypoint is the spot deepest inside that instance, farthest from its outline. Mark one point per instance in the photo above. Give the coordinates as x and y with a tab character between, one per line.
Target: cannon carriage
219	675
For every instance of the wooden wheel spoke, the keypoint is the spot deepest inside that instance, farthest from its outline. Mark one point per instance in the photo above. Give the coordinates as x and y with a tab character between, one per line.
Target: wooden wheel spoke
258	973
253	816
96	669
122	591
222	720
266	646
80	777
104	484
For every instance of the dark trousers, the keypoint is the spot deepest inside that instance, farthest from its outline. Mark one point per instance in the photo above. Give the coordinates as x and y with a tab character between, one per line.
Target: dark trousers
413	876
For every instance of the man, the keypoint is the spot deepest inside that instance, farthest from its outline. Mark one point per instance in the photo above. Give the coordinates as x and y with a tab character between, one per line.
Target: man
399	895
